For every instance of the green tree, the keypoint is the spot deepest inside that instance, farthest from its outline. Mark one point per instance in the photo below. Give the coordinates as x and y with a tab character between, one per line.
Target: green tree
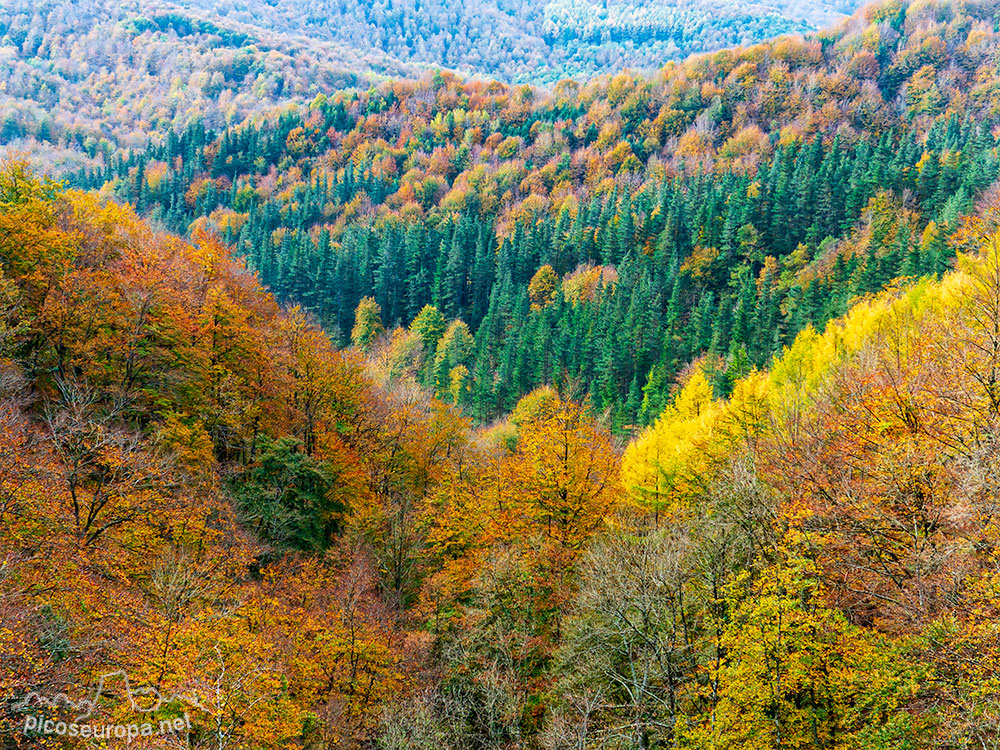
291	498
367	324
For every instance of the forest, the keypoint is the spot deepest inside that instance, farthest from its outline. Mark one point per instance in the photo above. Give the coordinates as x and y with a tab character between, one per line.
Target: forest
601	237
520	41
650	411
82	76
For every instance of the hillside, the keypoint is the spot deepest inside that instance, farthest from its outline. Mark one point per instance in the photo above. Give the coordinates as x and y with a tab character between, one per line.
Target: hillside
103	74
85	76
845	502
600	237
200	493
409	411
520	41
179	463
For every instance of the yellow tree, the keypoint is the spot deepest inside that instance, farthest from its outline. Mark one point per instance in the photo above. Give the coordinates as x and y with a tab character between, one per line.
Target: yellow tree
564	471
670	463
795	675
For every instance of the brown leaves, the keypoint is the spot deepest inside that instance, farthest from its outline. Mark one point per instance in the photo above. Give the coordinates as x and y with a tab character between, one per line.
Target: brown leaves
504	535
159	365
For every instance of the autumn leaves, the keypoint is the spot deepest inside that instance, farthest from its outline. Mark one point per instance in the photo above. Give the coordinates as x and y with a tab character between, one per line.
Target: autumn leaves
169	435
196	488
830	527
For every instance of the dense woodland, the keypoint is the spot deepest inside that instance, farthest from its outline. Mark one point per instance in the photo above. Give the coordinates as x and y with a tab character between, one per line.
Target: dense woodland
83	76
200	490
651	412
600	237
528	41
101	74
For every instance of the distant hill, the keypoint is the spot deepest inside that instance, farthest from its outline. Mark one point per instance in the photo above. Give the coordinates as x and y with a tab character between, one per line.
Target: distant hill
533	41
128	71
125	71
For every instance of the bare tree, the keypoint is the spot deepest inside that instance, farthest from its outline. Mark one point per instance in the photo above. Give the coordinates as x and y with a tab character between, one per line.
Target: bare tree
109	476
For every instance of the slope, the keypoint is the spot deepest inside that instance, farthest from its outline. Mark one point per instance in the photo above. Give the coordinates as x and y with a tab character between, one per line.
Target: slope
823	540
87	75
529	42
719	206
179	461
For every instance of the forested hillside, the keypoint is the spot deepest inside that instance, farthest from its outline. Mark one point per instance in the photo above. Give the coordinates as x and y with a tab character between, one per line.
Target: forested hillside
600	237
199	491
82	77
525	41
101	74
825	574
656	411
169	439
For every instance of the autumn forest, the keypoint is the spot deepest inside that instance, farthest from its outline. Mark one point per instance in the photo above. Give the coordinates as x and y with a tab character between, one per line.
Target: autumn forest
468	399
